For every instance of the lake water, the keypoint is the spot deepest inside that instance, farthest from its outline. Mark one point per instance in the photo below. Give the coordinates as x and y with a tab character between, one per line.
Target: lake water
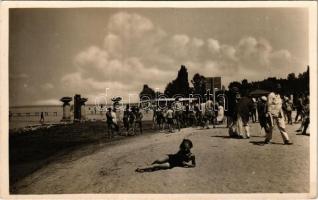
23	116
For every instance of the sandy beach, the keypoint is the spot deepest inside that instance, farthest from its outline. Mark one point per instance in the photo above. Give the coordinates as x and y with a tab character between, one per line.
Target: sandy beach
224	165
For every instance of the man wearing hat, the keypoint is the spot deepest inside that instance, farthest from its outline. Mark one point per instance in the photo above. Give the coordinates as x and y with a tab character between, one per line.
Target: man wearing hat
275	112
178	110
262	110
233	97
244	107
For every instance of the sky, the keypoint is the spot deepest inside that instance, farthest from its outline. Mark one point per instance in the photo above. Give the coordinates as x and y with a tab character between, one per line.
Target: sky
105	52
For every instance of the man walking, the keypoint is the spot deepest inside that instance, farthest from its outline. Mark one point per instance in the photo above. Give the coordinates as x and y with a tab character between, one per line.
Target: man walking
299	108
275	112
139	117
126	119
262	110
178	112
111	122
170	116
244	107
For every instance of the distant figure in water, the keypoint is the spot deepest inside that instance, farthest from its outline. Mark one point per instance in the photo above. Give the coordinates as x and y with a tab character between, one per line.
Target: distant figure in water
42	118
180	159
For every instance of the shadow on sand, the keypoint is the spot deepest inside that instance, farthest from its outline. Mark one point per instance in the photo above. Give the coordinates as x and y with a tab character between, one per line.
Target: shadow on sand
151	169
228	137
262	143
223	136
157	168
307	134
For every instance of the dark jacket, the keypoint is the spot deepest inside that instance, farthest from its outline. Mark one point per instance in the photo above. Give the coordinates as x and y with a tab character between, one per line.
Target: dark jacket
244	107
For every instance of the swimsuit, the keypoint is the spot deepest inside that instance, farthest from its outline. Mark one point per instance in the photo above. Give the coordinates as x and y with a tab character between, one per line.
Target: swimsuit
176	160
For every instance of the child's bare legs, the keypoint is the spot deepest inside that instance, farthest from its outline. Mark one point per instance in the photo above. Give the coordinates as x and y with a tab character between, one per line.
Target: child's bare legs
154	168
161	161
170	127
163	125
156	165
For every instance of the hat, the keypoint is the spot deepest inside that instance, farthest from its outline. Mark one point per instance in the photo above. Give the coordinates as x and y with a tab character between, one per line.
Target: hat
264	98
235	89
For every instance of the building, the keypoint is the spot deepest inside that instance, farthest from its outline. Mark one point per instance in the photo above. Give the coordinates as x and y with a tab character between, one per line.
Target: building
213	82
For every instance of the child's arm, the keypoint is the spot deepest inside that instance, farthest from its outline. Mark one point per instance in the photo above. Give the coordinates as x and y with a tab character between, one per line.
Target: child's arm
192	159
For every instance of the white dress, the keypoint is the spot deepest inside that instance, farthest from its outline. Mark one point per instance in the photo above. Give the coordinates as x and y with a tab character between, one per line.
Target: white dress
220	116
114	117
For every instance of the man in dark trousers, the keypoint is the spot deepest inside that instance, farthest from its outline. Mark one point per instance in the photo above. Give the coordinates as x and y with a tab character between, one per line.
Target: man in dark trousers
244	107
262	110
139	117
126	119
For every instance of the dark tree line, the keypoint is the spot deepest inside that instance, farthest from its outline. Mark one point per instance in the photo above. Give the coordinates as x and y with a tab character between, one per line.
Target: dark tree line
147	92
180	86
290	85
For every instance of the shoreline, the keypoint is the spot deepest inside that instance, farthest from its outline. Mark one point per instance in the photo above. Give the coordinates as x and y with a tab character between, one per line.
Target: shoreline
224	165
31	150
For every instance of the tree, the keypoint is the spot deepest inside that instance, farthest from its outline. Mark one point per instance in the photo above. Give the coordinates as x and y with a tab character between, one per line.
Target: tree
170	90
198	82
246	87
147	92
179	86
292	84
235	84
291	76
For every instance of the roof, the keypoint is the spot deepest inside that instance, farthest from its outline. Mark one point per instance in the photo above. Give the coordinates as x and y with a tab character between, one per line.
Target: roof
258	92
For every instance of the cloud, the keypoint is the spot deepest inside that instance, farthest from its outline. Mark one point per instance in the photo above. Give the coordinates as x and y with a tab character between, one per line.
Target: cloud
48	102
114	45
135	52
213	46
19	76
47	86
129	25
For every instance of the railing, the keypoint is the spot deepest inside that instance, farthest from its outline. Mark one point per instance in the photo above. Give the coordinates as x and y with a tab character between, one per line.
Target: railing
34	114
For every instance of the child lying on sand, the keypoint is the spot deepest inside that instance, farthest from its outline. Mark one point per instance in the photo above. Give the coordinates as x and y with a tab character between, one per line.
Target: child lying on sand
180	159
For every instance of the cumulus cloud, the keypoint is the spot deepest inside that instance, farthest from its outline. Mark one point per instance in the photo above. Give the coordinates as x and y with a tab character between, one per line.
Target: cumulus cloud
129	25
47	86
48	102
135	52
213	46
19	76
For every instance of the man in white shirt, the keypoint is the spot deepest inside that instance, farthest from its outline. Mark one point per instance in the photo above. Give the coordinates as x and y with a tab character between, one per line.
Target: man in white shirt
209	113
178	109
169	116
275	112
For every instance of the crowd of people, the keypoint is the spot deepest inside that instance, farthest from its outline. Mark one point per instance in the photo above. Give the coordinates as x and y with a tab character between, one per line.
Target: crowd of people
236	112
132	119
275	109
179	115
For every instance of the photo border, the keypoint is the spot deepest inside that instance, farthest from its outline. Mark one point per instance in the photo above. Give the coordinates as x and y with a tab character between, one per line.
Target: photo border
4	82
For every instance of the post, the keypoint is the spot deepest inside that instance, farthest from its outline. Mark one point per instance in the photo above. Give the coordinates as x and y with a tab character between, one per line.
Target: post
77	108
83	111
66	109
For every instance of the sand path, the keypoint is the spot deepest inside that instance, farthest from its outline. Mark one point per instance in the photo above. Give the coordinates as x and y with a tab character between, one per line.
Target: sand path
224	165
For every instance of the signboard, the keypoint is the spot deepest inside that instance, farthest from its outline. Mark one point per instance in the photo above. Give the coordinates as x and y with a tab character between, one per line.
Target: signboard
213	82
